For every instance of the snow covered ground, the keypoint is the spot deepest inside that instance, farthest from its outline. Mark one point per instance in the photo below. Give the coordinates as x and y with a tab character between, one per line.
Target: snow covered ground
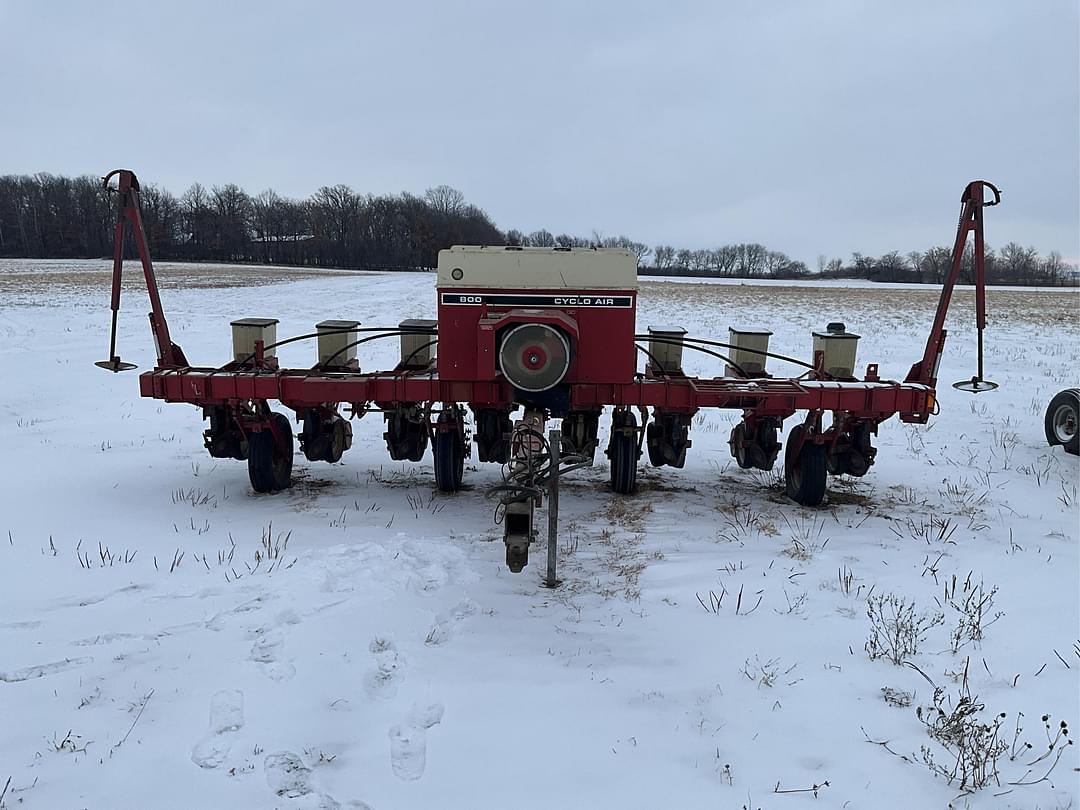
168	639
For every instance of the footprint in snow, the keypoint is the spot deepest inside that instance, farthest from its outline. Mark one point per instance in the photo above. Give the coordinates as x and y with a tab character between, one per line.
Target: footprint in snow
382	680
290	778
268	650
79	602
41	670
408	741
224	618
226	719
109	638
445	623
31	624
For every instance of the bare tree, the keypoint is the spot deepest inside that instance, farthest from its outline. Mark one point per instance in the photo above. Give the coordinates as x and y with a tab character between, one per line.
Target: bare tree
936	263
1018	265
891	267
663	257
1053	268
915	259
231	233
445	199
749	260
566	240
541	238
196	214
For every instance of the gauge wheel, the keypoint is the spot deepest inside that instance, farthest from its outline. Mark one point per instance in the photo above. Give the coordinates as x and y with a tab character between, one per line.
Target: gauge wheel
623	452
269	461
804	469
739	450
449	451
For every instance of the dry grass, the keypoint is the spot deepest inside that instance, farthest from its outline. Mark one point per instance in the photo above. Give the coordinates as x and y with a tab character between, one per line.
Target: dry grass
1010	307
23	277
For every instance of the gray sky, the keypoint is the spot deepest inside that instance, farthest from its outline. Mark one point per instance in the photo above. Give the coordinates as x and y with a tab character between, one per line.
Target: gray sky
812	127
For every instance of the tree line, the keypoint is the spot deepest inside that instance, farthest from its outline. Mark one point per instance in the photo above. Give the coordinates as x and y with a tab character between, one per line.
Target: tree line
46	216
49	216
1013	264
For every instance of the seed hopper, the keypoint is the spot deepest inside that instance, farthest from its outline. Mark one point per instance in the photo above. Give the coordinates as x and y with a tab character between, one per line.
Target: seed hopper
527	335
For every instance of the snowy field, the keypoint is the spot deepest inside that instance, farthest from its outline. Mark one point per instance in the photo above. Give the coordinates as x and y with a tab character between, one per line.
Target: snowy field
168	639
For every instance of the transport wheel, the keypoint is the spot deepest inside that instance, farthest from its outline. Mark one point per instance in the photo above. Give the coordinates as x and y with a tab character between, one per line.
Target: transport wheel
623	452
1061	420
270	466
739	450
804	471
449	451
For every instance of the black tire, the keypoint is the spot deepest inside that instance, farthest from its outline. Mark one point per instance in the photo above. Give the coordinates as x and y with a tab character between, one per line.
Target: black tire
417	445
1062	420
856	454
314	442
739	450
656	456
449	451
339	440
766	446
804	471
837	463
623	452
491	436
858	465
680	435
667	439
579	431
223	439
406	439
270	466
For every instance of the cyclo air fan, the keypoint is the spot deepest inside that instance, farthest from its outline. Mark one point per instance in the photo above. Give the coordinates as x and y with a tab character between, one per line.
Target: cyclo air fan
534	357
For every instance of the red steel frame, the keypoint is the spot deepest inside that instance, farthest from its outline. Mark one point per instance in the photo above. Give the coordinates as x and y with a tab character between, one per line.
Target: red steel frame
467	337
870	399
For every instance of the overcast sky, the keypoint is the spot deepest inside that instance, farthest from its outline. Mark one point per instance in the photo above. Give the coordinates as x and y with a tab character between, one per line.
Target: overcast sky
812	127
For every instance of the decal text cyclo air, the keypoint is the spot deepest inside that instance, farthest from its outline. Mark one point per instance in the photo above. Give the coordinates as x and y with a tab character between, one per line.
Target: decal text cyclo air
533	300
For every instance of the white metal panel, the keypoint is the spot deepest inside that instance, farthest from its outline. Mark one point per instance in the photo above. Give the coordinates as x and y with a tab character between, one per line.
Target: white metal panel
537	268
